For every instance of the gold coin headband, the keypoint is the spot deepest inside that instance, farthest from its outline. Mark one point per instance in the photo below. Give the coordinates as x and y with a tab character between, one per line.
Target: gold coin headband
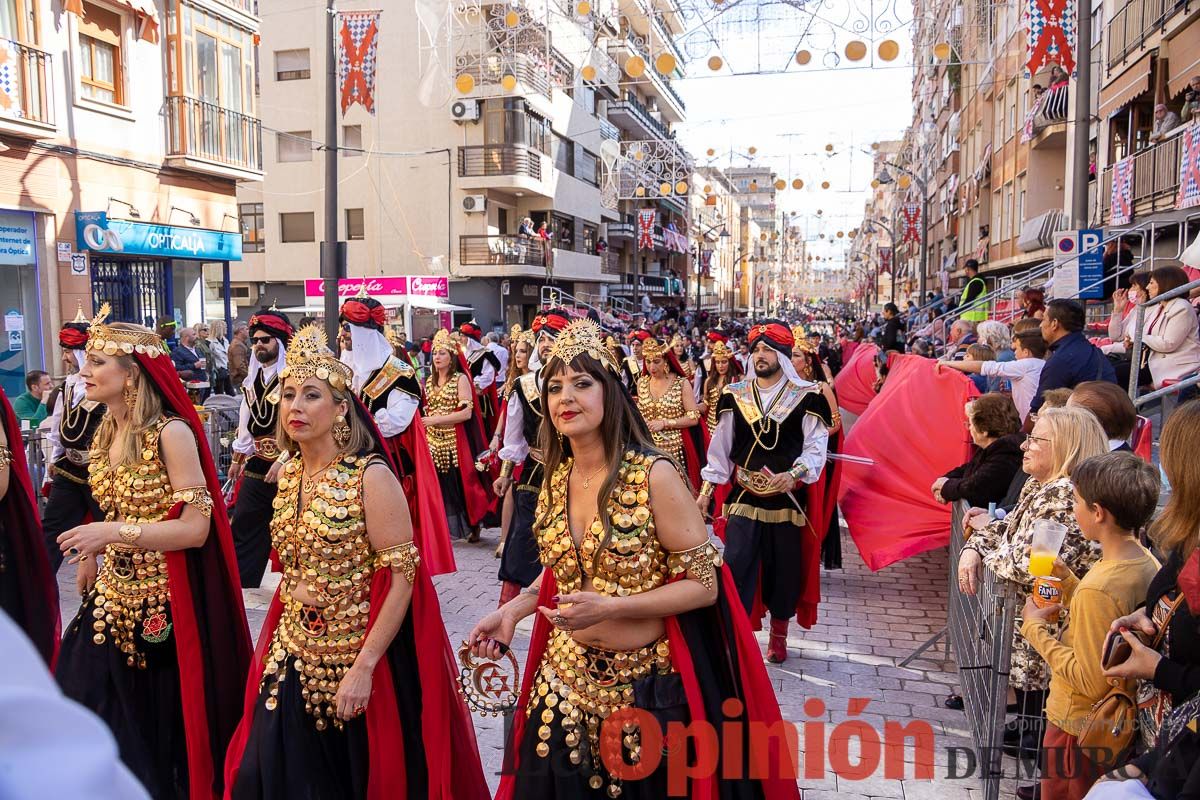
582	336
517	335
802	342
442	340
653	348
308	356
121	341
721	352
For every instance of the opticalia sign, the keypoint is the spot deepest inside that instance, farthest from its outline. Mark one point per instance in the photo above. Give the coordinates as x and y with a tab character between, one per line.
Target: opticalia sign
96	232
384	286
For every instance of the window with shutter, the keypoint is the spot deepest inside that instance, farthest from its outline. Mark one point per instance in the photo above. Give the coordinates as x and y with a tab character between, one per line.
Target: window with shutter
292	65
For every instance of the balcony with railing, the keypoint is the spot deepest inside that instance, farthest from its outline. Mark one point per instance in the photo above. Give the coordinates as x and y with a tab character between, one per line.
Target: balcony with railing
490	69
499	165
630	113
1134	22
661	84
503	250
205	137
26	107
1155	178
610	263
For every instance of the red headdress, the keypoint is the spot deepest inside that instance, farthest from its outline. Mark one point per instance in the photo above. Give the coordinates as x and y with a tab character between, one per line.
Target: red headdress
274	322
365	311
472	330
639	334
552	320
774	333
74	334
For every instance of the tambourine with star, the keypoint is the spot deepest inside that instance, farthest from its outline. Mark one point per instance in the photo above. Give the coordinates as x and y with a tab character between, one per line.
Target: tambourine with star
489	687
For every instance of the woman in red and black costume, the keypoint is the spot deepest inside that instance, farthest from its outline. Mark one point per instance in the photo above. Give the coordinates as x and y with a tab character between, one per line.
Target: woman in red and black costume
822	495
354	688
667	402
483	366
454	428
634	608
28	592
159	649
388	386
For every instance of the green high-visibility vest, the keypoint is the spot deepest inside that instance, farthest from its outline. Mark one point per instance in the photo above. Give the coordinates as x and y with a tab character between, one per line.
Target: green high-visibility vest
978	310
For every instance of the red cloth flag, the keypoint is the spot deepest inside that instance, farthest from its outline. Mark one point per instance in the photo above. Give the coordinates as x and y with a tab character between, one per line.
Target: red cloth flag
915	432
855	384
357	63
646	228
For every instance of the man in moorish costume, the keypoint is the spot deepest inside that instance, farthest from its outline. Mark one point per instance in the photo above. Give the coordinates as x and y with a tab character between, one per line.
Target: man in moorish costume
484	368
519	565
388	387
255	453
771	440
72	426
633	365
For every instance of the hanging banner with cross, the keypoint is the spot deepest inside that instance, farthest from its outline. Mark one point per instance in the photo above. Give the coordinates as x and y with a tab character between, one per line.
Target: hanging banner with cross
1049	35
1120	210
910	219
706	262
358	44
1189	168
646	218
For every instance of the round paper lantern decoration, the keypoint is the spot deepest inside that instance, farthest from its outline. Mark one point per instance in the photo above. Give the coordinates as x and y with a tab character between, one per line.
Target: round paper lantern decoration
752	150
711	152
829	148
797	185
708	188
856	50
508	82
681	187
665	64
840	234
941	50
904	181
875	184
583	8
715	63
512	19
888	50
638	155
780	184
824	184
640	191
803	57
635	67
588	73
464	83
762	237
874	145
664	188
819	212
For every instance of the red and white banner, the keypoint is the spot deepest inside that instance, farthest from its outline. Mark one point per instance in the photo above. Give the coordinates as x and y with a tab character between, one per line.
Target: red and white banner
646	217
910	222
1189	168
1120	207
885	260
1049	35
706	262
358	45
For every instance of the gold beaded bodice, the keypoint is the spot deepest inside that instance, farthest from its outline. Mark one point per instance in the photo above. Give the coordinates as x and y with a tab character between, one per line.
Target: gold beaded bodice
131	586
667	407
712	396
441	400
323	547
631	561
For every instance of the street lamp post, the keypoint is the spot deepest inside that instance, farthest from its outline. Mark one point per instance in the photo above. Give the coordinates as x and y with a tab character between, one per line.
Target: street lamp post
884	178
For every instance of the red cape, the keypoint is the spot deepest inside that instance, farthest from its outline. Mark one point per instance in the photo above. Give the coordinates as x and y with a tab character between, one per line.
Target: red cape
914	432
212	642
38	614
855	382
426	507
738	662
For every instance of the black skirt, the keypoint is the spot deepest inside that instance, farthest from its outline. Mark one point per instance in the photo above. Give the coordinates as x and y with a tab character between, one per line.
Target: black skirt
142	707
287	758
455	502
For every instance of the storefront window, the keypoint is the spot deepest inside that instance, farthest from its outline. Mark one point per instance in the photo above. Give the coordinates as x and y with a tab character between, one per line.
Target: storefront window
20	345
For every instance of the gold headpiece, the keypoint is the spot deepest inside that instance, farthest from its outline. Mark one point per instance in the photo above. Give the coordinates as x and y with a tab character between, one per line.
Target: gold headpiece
653	348
721	352
79	317
582	336
308	356
802	341
517	335
120	341
442	340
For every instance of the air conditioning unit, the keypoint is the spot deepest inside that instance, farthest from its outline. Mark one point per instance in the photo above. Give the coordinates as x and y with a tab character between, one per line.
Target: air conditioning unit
475	203
465	110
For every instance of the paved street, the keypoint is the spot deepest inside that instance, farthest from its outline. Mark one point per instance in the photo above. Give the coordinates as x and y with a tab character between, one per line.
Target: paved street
869	622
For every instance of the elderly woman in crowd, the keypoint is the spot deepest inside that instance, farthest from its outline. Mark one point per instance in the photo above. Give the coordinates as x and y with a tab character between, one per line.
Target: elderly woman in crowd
996	335
995	429
1062	438
1169	697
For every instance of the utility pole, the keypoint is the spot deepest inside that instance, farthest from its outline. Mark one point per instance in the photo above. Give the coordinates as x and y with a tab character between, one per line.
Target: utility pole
333	252
1083	116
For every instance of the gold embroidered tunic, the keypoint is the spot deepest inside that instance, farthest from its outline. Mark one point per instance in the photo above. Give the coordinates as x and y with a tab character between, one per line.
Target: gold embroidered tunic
667	407
439	401
712	397
131	586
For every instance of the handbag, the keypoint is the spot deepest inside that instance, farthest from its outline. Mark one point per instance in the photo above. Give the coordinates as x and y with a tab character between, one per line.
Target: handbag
1109	727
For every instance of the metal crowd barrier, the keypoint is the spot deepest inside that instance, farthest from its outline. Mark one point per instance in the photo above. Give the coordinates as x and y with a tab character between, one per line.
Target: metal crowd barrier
981	635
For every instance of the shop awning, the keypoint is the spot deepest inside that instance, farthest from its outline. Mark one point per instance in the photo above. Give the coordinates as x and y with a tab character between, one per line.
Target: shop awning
143	9
1184	59
317	306
1128	85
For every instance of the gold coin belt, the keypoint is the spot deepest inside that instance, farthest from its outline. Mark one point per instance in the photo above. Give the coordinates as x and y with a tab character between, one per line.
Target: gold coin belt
630	561
442	438
667	407
579	686
131	586
324	548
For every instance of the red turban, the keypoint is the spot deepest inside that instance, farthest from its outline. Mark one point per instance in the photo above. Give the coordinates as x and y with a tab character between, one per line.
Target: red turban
775	334
471	329
368	313
73	337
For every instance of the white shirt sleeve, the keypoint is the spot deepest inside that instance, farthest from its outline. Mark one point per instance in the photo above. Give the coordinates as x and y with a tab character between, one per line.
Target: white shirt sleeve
698	384
720	466
52	424
486	377
244	443
398	415
1007	369
515	448
816	443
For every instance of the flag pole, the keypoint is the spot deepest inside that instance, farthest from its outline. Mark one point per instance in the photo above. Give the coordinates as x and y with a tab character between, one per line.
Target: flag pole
332	252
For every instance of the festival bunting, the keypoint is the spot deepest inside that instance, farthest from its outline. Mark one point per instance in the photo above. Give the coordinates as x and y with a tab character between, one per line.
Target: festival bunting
1049	35
910	222
1120	211
1189	168
887	504
646	218
706	263
358	44
885	260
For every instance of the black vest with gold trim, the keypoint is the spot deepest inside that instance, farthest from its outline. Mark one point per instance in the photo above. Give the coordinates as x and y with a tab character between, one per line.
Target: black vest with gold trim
528	393
76	426
264	409
394	375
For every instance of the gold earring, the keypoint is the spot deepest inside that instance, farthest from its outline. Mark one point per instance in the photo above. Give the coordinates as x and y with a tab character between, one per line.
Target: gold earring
341	431
559	437
131	395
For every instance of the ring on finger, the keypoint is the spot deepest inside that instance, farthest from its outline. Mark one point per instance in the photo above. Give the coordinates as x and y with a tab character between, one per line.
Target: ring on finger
74	551
559	621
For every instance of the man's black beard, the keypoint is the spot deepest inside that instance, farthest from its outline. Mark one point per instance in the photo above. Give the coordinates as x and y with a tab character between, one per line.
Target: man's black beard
768	371
265	357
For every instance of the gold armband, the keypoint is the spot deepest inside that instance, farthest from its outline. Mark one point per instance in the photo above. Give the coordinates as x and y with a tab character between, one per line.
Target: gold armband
237	458
506	469
836	418
706	489
5	457
130	533
402	558
700	563
196	496
693	414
